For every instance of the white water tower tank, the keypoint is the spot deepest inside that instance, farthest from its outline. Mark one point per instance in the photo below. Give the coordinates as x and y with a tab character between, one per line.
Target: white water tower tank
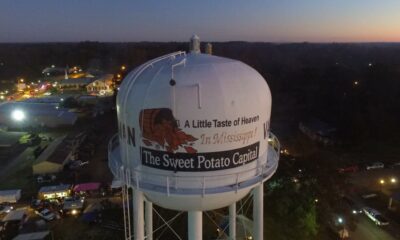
193	136
194	131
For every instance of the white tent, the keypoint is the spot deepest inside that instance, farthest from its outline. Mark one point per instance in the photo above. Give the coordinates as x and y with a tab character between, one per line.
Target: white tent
16	215
10	196
33	236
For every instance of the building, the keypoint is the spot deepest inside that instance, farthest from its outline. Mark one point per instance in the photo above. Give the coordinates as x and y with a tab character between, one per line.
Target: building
17	115
318	131
75	83
57	191
52	71
53	158
102	85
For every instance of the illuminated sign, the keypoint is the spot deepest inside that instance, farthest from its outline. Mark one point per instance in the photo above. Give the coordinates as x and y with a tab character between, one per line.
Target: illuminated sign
195	162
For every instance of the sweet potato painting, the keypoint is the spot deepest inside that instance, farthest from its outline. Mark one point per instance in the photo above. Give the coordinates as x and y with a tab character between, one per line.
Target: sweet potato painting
159	128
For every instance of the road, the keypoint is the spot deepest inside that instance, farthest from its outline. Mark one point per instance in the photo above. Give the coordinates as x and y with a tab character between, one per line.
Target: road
368	182
367	230
371	179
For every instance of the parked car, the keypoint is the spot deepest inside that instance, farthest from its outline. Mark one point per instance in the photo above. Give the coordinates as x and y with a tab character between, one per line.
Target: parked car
4	208
46	214
348	169
368	195
73	205
77	164
375	216
352	205
395	165
375	165
46	179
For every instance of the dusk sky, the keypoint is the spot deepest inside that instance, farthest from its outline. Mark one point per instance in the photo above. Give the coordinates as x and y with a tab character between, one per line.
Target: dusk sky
212	20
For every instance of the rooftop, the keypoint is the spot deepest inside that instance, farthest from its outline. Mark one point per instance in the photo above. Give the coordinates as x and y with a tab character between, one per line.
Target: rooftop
87	187
32	236
15	215
56	188
55	152
83	81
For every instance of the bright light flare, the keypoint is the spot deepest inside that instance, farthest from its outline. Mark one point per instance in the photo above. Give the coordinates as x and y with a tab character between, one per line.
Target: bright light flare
393	180
382	181
18	115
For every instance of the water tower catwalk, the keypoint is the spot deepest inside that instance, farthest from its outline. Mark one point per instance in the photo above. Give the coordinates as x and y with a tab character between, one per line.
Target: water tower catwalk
193	136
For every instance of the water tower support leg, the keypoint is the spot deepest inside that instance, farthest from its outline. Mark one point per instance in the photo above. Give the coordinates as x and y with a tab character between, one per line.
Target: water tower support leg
258	212
149	220
232	221
195	225
138	217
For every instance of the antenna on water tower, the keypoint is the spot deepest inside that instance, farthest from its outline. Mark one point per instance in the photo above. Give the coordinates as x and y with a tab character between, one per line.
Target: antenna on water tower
194	44
209	48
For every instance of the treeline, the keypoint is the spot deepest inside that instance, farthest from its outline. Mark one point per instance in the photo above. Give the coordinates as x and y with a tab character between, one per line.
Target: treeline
355	87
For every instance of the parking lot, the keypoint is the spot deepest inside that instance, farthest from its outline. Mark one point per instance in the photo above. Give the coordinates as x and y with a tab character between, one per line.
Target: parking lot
92	167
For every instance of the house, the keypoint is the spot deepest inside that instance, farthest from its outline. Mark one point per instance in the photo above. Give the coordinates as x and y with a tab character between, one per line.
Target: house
102	85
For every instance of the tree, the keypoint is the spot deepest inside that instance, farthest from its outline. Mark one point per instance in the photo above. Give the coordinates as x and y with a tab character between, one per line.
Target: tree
291	211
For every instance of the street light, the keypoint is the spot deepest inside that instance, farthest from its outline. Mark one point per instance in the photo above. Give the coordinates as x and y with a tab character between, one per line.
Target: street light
18	115
340	220
123	67
382	181
393	180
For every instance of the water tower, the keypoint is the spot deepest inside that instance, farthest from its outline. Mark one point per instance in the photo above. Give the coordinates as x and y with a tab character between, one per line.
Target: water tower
193	136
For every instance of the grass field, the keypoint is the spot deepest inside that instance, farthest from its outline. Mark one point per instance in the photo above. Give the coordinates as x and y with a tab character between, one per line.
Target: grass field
18	175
